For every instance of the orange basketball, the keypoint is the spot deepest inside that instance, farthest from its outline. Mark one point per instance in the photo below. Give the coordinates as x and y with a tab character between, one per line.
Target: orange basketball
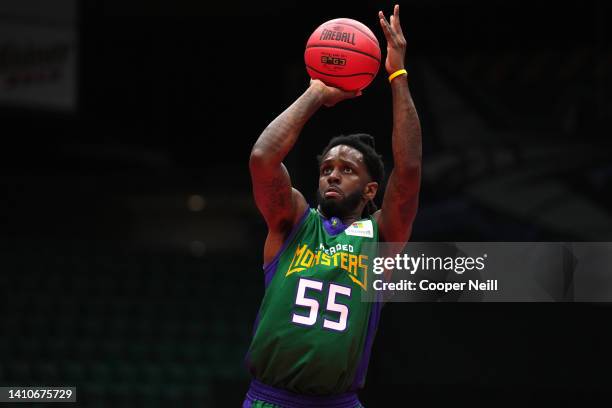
343	53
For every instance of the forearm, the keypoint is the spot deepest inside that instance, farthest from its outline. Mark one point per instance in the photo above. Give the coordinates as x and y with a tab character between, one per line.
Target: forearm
406	142
280	135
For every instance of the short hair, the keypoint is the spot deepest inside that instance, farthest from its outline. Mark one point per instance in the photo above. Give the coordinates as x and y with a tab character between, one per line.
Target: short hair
364	143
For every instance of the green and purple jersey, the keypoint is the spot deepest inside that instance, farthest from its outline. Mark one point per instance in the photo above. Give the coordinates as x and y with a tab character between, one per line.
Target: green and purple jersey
313	333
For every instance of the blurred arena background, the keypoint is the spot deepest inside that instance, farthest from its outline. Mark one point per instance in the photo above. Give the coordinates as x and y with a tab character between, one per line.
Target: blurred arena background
131	246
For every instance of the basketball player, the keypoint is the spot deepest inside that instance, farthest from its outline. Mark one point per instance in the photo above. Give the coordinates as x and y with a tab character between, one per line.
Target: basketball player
313	334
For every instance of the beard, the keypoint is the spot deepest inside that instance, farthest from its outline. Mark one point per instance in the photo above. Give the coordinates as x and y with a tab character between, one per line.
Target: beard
332	207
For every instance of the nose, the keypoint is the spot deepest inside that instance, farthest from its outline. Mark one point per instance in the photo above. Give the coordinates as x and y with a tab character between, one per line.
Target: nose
333	177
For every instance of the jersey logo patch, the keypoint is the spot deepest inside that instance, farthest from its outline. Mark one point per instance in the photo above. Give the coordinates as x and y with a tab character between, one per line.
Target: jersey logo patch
361	229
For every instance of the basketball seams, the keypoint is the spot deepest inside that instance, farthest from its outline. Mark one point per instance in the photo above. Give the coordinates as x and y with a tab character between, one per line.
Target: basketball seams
343	48
339	76
369	35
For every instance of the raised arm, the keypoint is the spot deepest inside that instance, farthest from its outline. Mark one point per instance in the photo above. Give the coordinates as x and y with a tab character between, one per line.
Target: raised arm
400	202
279	203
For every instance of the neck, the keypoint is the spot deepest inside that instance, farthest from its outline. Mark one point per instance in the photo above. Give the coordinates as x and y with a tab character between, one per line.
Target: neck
347	219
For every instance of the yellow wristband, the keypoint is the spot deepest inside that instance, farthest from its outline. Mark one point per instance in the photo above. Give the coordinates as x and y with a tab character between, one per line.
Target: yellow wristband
397	73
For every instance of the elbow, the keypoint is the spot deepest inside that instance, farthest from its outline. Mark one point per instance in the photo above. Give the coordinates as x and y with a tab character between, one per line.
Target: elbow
416	158
256	159
260	159
408	179
409	161
409	170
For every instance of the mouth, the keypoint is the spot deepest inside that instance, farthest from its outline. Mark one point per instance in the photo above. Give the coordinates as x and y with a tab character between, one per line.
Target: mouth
333	193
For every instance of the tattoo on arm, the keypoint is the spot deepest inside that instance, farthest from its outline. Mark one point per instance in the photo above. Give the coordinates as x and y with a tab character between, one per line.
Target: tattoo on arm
278	196
400	202
271	182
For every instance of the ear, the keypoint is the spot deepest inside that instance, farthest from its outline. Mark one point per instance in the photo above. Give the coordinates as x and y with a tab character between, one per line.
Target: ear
370	189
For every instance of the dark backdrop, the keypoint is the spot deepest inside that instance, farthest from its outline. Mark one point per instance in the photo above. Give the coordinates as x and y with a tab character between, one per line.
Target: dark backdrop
132	246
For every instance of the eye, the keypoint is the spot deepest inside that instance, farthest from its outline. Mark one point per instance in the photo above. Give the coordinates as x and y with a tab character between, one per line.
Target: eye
348	170
325	171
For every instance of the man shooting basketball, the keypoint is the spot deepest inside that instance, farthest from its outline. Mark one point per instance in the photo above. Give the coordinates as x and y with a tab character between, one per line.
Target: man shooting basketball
313	334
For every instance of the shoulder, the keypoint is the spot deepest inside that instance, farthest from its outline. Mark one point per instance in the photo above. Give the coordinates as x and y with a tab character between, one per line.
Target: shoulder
388	230
376	216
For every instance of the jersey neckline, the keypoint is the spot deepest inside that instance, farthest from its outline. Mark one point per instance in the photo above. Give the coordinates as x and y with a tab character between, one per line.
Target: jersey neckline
334	225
